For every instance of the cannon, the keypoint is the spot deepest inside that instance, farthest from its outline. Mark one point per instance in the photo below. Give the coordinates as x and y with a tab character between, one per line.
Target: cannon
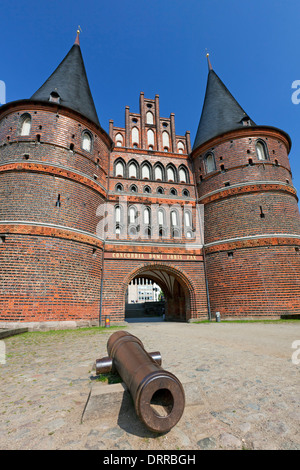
157	394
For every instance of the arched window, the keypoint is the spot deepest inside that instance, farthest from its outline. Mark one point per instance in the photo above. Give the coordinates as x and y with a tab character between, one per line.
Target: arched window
161	217
150	137
187	219
173	191
118	214
147	189
160	190
119	140
261	150
174	219
147	216
185	193
180	147
25	124
135	136
210	163
149	117
132	214
86	141
171	174
118	220
133	188
119	188
119	168
146	171
132	170
165	140
158	173
182	175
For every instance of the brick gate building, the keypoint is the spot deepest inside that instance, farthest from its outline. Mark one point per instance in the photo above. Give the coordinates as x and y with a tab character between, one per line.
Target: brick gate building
83	213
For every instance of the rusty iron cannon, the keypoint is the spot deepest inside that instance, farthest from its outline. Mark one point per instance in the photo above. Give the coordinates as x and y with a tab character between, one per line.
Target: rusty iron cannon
158	395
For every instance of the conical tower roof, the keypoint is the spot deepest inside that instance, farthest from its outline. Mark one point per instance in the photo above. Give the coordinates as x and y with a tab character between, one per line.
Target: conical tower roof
220	113
69	85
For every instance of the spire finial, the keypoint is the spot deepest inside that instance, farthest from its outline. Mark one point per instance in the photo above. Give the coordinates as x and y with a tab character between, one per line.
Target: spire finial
79	30
208	61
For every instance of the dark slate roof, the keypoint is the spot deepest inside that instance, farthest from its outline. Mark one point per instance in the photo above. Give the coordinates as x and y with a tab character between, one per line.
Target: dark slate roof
70	81
220	113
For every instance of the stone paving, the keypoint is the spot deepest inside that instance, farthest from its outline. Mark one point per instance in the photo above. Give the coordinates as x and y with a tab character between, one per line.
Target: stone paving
248	382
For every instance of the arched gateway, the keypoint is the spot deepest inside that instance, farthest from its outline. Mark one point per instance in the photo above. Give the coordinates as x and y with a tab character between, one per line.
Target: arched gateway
178	291
183	289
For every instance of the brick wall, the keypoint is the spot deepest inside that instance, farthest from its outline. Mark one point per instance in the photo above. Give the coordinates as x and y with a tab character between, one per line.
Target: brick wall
46	278
255	282
254	203
50	258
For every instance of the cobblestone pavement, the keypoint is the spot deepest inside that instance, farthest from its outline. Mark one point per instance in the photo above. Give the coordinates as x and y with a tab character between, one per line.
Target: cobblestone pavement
248	381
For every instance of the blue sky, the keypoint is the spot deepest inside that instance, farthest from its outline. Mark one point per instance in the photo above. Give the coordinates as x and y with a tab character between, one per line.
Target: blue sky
159	47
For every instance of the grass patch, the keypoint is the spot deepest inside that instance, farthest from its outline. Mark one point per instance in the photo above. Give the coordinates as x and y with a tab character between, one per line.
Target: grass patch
93	330
109	378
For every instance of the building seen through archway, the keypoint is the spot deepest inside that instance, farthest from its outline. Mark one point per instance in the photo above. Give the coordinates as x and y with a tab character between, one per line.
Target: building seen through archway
144	298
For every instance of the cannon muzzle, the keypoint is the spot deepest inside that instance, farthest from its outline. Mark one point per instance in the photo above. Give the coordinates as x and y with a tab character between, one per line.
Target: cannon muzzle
158	395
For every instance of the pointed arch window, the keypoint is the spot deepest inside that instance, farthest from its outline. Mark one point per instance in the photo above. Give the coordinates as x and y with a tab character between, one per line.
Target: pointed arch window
25	124
135	136
161	217
187	219
175	224
261	150
158	173
119	140
118	220
132	170
171	174
87	141
174	219
149	118
147	216
210	163
119	188
146	171
132	214
166	140
133	188
150	138
180	147
119	168
183	175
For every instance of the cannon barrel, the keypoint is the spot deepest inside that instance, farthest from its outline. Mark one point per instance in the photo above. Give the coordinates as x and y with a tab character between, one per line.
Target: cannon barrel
157	394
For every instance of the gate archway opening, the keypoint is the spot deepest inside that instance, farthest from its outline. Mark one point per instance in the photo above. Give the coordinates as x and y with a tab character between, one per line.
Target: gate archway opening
169	290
